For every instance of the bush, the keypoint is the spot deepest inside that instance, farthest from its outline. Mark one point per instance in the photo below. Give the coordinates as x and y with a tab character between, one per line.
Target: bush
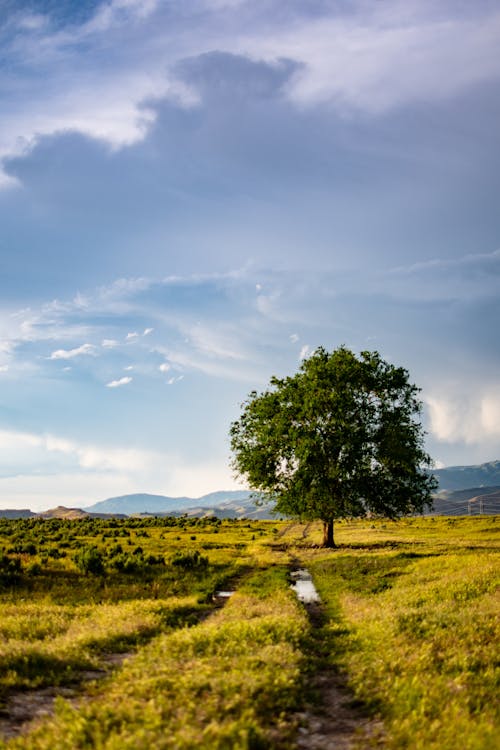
90	560
10	569
190	560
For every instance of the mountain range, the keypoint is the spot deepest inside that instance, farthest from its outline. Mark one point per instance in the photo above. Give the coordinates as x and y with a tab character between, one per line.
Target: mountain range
144	503
462	489
463	477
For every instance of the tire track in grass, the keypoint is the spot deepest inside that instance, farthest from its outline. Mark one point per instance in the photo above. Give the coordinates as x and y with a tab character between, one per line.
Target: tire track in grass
26	707
23	709
332	718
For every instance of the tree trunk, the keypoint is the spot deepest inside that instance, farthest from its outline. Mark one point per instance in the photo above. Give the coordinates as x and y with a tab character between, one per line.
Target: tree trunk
328	540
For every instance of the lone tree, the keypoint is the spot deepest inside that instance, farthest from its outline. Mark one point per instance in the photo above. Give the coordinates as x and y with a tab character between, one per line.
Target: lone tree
339	439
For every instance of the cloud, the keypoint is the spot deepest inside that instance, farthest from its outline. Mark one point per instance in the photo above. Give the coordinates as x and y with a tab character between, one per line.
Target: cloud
24	448
118	13
109	343
380	57
85	349
174	379
369	59
119	383
147	331
42	471
471	417
209	326
131	336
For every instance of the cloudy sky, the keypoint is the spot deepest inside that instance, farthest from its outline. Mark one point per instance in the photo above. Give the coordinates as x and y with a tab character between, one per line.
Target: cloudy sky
195	194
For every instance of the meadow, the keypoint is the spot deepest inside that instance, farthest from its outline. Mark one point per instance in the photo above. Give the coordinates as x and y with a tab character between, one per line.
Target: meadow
122	619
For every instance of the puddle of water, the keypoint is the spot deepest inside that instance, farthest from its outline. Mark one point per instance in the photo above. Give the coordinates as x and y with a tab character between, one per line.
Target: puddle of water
223	594
304	587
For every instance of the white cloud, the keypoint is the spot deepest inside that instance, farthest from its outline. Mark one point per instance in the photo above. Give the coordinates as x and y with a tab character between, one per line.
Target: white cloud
123	287
85	349
32	21
16	447
119	383
294	338
132	335
382	58
42	471
165	367
373	58
305	351
71	489
471	417
223	343
4	368
147	331
175	379
117	12
109	343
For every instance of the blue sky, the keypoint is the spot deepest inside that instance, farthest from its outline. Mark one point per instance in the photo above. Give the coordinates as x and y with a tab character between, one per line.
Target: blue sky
194	195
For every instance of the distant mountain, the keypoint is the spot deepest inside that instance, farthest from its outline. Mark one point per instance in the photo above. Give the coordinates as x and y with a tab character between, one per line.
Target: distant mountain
223	496
162	504
14	513
73	513
460	496
139	503
62	512
243	507
462	489
485	500
463	477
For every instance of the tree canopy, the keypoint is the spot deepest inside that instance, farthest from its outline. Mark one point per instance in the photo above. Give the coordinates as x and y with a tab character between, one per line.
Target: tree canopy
341	438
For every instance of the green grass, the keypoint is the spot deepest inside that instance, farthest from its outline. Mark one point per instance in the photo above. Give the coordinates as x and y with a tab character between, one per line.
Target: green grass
418	628
410	618
228	682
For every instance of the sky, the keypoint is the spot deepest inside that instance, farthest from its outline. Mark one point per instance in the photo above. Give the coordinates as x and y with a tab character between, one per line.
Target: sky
195	194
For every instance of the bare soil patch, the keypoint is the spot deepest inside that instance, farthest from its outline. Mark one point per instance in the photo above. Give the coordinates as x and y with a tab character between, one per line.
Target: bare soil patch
23	709
333	719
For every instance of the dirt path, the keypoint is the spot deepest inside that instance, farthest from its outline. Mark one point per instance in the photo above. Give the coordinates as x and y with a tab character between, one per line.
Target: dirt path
23	709
333	718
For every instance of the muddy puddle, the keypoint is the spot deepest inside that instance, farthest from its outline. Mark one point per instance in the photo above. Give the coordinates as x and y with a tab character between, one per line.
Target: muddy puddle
304	587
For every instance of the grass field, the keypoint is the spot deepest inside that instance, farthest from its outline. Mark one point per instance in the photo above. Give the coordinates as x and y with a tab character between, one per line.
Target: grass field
410	620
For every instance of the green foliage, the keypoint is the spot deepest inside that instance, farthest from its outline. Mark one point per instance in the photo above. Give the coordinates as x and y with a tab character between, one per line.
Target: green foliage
190	560
339	439
10	570
90	560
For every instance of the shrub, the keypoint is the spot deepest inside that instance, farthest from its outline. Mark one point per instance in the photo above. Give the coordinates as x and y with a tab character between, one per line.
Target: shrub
90	560
190	560
10	569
